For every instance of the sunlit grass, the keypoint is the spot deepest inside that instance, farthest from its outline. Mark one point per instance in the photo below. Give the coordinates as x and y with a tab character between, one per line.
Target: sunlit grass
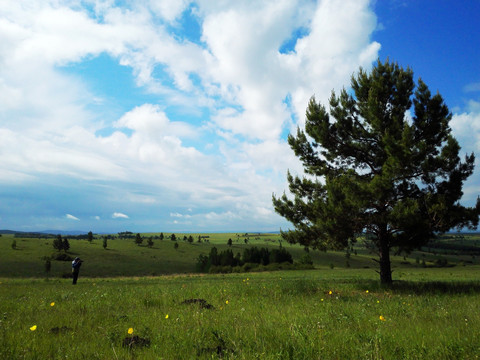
299	315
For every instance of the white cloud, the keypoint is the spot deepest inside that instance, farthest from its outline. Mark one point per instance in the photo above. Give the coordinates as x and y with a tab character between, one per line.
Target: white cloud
71	217
118	215
230	159
473	87
466	128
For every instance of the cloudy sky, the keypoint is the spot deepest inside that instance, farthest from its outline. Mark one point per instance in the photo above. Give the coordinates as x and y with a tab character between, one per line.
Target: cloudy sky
167	115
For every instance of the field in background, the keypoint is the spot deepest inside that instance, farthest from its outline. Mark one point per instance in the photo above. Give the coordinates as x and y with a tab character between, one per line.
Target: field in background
124	258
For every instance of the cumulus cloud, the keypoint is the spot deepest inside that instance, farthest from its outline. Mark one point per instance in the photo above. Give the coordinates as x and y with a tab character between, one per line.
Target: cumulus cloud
236	92
119	215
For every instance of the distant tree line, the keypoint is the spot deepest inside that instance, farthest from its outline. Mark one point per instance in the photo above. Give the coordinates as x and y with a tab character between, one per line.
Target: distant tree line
253	255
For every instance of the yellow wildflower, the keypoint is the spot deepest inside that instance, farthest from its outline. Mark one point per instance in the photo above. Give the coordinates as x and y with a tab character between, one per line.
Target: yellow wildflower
130	331
382	318
52	303
166	316
330	292
33	328
226	302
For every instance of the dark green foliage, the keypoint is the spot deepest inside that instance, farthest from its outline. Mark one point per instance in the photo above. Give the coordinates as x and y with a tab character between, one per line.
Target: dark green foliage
256	256
150	242
138	239
176	246
371	169
65	245
173	237
280	256
226	260
14	244
62	257
90	236
162	236
229	242
306	260
190	239
58	243
105	242
203	263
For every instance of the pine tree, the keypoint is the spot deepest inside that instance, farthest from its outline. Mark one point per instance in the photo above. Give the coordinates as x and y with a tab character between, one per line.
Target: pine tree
58	243
65	245
138	239
371	169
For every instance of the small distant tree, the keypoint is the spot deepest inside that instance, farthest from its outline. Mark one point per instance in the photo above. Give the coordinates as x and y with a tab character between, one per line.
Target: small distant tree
65	245
138	239
190	239
173	237
199	238
229	242
90	236
104	242
150	242
162	236
14	244
185	238
176	245
58	243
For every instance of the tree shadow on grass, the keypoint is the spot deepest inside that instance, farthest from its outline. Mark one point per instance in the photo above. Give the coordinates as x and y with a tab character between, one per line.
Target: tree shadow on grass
426	287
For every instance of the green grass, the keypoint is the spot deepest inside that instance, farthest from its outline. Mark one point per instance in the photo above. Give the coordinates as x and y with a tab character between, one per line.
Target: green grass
280	315
124	258
429	312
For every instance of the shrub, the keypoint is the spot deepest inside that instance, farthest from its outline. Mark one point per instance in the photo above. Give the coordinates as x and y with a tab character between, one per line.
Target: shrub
62	257
306	260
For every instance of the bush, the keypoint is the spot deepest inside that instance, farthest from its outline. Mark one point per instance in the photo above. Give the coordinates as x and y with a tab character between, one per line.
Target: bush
62	257
306	260
281	255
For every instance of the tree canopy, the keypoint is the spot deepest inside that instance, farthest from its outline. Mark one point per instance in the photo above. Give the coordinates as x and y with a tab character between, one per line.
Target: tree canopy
382	162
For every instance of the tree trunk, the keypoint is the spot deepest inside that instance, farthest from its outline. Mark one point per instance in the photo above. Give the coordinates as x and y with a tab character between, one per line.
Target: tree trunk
385	266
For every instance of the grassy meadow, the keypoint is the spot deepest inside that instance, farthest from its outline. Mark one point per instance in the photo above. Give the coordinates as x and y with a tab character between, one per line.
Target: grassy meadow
122	309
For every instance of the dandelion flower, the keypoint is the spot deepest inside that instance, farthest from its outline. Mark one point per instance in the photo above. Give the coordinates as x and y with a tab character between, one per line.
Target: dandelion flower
321	299
382	318
226	302
166	316
366	291
33	328
330	292
130	331
52	303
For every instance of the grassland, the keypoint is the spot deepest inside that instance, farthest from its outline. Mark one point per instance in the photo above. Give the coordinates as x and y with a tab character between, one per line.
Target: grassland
340	313
124	258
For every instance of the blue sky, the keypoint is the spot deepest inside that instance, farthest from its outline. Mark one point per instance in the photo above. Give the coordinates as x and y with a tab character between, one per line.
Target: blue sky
173	115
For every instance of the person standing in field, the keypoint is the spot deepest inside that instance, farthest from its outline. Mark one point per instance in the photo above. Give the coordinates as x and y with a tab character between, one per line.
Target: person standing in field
76	263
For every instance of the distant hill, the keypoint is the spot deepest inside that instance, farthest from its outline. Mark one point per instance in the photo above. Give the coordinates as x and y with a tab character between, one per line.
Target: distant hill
46	232
8	232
